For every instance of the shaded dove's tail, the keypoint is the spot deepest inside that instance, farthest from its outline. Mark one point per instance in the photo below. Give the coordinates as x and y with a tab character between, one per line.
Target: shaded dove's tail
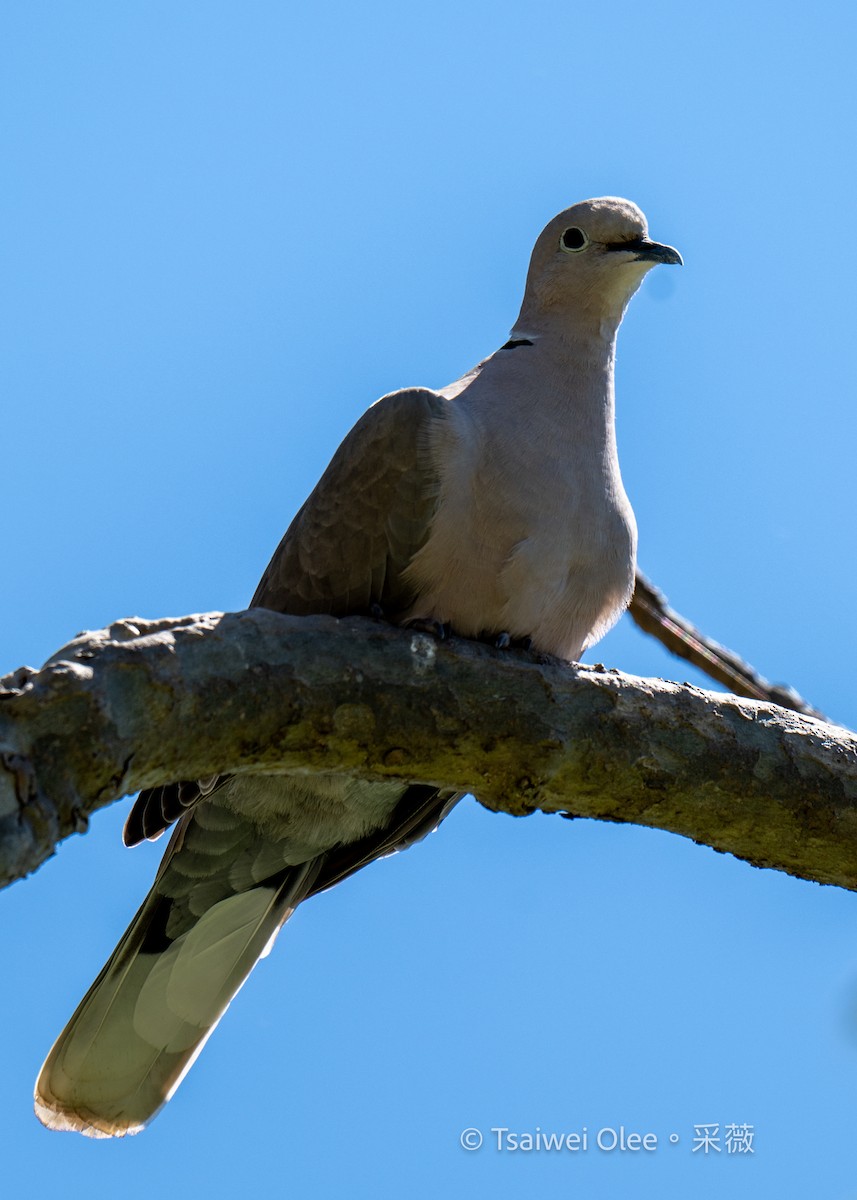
169	981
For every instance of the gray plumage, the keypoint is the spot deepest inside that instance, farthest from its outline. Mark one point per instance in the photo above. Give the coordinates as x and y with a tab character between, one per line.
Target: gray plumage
495	506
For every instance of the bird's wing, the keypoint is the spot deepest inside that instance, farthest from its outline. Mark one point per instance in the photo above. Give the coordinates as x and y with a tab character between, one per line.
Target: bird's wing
345	552
371	511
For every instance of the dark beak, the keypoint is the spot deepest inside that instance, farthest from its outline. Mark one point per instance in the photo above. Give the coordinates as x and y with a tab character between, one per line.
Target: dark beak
645	250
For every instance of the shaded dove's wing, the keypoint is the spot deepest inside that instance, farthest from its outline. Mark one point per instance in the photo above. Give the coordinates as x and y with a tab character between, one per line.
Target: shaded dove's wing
371	511
345	552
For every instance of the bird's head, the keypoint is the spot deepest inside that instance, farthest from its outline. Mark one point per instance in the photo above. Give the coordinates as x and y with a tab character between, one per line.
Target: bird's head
590	259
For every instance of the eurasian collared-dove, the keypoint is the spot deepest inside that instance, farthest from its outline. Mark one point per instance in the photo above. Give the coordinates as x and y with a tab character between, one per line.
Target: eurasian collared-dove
494	506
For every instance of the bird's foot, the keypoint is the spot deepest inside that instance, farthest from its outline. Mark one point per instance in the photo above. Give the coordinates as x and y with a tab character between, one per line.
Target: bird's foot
437	629
505	641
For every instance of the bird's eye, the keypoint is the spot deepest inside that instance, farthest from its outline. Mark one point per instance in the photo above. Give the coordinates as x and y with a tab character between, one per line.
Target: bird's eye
573	240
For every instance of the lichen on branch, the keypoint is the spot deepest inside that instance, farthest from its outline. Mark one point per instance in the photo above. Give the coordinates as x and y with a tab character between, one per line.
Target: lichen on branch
147	702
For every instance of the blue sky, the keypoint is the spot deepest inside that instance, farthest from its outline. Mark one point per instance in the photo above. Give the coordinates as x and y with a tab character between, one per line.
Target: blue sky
228	229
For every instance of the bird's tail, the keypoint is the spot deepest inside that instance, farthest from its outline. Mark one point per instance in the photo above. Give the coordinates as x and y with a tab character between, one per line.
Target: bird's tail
147	1016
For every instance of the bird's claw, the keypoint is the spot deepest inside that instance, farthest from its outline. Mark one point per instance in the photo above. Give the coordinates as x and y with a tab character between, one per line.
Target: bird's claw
437	629
505	641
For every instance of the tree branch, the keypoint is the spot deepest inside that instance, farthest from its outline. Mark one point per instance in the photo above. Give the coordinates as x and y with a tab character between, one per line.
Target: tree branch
146	702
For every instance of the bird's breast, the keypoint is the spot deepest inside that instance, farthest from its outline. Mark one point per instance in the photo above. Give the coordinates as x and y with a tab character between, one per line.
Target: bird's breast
534	541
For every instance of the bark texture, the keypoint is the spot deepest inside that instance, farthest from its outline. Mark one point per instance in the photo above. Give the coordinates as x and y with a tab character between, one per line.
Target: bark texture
146	702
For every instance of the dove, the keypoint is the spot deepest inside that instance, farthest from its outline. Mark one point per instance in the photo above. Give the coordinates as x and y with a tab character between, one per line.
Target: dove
491	508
